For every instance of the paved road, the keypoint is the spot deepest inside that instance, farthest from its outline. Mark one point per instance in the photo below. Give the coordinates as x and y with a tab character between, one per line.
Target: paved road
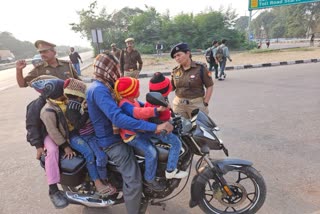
268	115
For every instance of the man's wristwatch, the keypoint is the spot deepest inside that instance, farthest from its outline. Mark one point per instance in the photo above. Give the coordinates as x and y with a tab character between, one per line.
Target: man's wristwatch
205	104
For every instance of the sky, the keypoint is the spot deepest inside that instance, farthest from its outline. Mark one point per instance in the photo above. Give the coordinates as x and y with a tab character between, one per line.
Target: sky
49	20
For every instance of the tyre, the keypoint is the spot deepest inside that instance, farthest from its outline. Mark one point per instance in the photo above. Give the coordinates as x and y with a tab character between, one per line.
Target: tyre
248	188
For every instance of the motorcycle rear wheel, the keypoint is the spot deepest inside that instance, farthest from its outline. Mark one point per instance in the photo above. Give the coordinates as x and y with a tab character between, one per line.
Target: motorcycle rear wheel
249	193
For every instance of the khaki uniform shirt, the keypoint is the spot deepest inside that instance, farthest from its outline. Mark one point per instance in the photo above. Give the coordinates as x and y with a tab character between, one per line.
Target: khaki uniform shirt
116	53
128	61
63	71
188	83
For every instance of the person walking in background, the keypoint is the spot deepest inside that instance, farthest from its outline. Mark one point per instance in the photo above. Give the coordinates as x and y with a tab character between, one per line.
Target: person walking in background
267	43
159	48
129	58
115	51
214	63
74	58
191	81
312	40
223	60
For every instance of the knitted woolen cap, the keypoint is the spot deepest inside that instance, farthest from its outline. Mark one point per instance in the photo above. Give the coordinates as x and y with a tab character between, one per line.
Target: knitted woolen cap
160	83
74	87
126	87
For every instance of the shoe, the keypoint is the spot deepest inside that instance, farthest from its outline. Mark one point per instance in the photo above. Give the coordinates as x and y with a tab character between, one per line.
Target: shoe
220	78
155	185
176	174
59	200
224	76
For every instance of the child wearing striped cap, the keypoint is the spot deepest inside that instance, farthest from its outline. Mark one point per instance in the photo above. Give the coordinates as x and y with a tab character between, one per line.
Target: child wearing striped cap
127	92
82	136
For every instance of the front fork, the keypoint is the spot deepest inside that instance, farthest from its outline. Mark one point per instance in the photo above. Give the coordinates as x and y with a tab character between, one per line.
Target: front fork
216	176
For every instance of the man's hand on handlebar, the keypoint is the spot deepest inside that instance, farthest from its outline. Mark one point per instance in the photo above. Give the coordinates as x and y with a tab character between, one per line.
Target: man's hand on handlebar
164	126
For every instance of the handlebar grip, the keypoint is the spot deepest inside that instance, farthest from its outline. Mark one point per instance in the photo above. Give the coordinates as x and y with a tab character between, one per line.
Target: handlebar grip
163	132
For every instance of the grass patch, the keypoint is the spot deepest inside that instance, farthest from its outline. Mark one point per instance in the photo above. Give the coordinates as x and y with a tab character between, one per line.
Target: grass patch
262	51
299	49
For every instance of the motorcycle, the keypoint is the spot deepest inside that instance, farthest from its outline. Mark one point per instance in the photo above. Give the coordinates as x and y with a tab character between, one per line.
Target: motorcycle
220	186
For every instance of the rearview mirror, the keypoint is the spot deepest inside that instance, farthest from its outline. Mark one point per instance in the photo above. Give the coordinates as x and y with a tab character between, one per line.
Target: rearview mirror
156	98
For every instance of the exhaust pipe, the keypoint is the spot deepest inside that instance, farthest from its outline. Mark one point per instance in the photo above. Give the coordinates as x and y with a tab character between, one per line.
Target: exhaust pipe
83	199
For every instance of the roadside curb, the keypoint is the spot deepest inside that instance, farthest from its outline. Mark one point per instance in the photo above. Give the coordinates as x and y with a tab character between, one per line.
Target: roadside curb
236	67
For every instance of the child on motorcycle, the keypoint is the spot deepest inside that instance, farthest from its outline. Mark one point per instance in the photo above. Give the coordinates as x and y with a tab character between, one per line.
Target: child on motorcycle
57	126
82	137
127	90
51	90
161	84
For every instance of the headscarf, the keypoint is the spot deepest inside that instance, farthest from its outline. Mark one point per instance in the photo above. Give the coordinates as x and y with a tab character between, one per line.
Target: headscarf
106	70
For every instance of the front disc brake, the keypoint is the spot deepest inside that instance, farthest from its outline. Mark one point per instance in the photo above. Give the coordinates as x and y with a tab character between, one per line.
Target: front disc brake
238	197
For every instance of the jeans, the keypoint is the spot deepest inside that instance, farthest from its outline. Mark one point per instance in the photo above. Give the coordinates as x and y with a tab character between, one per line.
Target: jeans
215	66
83	145
175	147
142	143
77	67
101	157
222	66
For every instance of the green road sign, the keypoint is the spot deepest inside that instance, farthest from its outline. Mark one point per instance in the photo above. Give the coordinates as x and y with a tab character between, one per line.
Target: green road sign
260	4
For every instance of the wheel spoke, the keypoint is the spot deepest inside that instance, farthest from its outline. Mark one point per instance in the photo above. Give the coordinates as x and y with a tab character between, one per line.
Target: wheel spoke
241	179
233	209
248	194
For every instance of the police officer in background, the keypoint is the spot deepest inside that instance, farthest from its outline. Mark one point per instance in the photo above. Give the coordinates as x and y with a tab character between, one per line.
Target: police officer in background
129	58
191	81
62	69
115	51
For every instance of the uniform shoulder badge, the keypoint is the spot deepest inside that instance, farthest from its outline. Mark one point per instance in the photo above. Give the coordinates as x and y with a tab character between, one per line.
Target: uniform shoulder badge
200	63
175	68
65	61
39	64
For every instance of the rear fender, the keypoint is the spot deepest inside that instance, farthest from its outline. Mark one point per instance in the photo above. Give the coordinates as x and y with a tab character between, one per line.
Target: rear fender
199	181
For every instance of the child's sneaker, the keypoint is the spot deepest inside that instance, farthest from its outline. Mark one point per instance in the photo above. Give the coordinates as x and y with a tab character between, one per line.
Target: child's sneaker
176	174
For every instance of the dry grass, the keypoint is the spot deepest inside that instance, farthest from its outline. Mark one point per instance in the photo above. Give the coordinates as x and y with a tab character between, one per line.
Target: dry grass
153	64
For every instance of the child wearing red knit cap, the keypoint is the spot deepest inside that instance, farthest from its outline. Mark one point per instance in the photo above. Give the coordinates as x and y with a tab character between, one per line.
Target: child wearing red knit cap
161	84
127	92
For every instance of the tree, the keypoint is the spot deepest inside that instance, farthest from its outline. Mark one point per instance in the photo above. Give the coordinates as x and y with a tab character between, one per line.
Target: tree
241	24
21	49
148	26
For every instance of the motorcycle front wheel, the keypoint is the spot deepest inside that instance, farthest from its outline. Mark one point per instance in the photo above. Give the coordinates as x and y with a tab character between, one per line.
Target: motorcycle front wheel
248	188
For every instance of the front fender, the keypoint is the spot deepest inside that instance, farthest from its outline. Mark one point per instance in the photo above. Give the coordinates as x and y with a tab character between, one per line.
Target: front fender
226	165
199	181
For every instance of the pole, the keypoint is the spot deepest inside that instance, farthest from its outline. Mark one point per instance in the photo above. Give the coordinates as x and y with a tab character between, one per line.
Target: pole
249	22
96	30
